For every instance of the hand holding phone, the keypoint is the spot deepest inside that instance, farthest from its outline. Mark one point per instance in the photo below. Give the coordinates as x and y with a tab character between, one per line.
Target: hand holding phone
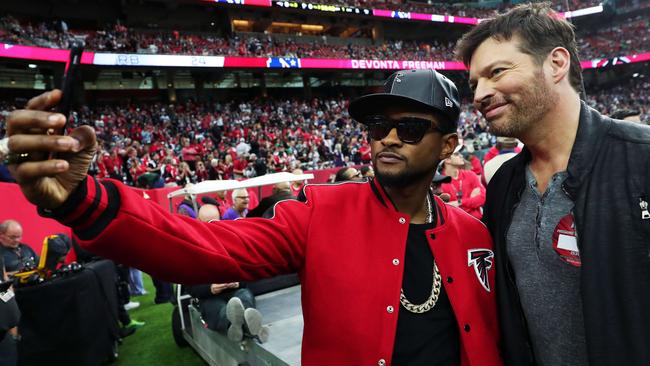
69	79
35	134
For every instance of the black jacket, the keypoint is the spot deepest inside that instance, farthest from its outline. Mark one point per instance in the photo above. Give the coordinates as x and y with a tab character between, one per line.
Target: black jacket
608	177
262	209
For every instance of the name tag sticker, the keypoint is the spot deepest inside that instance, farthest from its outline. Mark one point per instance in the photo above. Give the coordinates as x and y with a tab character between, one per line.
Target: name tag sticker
565	242
7	295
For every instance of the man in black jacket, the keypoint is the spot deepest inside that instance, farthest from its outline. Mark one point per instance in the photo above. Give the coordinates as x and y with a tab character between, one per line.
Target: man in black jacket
17	256
569	215
281	192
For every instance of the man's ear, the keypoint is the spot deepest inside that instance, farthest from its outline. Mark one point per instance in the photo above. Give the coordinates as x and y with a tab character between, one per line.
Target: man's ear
560	63
449	143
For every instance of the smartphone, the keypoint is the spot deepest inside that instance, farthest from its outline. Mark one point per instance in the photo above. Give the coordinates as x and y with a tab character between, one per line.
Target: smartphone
70	76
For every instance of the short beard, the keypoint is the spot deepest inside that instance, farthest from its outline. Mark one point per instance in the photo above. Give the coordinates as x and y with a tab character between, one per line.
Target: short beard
401	180
535	102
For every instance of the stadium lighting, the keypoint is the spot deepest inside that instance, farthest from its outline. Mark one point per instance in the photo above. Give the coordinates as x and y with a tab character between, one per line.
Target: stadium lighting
312	27
303	27
31	66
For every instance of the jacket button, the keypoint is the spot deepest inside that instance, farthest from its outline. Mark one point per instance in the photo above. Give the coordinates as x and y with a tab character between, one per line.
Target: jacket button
395	262
390	309
450	280
466	327
381	362
402	220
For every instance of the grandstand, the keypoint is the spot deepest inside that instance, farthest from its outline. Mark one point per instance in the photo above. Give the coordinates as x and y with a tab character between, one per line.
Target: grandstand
169	82
201	60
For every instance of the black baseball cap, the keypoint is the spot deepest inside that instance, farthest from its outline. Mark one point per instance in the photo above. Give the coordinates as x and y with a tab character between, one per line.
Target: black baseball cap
426	89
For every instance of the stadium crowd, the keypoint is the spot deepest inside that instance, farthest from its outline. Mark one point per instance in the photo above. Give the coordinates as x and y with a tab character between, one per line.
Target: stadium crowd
122	39
190	142
634	95
629	37
455	9
632	36
155	144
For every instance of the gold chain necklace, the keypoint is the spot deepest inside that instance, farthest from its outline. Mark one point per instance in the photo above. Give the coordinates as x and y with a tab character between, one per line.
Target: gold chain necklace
435	287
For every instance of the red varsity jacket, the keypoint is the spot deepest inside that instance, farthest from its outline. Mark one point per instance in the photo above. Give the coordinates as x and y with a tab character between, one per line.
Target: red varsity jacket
347	242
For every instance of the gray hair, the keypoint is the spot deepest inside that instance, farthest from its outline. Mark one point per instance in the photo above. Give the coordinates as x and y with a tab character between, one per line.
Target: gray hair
238	190
4	226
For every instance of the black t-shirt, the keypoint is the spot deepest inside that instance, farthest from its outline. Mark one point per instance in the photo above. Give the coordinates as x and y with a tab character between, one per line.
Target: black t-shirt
430	338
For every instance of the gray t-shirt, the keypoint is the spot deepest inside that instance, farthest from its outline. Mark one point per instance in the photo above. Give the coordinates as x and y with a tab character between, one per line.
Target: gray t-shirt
548	279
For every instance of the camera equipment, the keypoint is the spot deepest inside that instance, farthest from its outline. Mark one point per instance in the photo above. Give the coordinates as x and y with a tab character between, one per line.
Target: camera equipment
55	248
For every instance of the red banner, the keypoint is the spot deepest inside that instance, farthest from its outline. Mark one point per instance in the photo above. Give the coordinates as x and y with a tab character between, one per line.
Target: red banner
35	228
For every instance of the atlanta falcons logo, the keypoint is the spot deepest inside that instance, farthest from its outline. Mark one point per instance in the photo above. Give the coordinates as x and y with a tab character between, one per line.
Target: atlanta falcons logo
481	259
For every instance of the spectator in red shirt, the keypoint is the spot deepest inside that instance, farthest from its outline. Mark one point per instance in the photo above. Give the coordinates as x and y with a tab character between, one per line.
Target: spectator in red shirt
222	203
226	168
465	189
503	145
477	168
364	151
239	165
189	153
201	172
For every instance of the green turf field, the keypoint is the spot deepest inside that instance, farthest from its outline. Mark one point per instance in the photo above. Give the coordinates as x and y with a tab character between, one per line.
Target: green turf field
153	344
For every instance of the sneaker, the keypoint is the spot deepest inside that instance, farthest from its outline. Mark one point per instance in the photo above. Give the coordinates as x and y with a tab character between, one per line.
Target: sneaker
253	322
235	333
134	324
131	305
235	314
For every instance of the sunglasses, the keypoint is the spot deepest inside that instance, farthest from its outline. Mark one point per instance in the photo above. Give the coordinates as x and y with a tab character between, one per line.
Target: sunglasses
410	130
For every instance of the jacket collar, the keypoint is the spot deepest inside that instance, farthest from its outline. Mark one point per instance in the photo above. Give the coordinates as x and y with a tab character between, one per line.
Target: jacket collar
381	194
592	129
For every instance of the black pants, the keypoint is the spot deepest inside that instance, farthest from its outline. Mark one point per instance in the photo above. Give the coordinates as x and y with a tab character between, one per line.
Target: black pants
123	294
163	291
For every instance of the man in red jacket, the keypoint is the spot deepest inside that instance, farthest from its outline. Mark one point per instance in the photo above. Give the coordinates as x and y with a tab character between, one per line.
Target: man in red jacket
392	276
